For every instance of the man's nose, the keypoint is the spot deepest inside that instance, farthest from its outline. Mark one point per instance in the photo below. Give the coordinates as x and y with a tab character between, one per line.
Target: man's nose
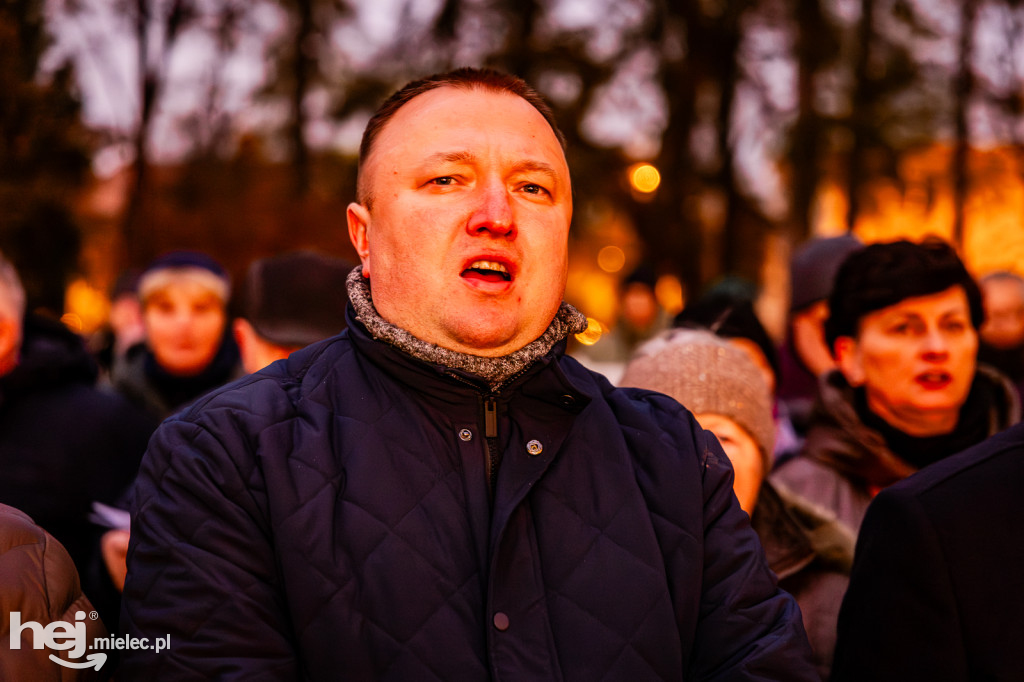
493	213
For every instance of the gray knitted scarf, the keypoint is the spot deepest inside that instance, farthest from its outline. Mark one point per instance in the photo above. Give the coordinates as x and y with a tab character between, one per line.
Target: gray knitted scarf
494	371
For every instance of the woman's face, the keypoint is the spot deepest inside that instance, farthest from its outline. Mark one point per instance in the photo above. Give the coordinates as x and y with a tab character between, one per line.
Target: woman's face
916	361
184	327
739	446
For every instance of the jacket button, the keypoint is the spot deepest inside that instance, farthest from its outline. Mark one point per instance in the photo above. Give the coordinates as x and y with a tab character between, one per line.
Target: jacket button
501	621
568	400
534	447
466	435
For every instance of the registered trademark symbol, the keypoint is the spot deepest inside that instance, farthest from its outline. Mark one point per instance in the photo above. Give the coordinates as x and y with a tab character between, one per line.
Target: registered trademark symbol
93	615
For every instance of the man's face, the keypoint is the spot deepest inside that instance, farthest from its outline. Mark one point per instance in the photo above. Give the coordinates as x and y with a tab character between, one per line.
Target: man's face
916	360
184	326
466	239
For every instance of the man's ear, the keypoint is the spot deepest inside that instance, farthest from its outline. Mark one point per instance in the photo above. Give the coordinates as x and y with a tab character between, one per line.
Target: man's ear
358	227
847	354
243	333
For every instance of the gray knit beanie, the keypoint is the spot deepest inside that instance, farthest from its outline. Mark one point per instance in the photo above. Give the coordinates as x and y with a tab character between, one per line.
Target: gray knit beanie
707	375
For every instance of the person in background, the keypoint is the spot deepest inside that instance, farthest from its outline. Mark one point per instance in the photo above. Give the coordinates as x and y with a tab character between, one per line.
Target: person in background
639	316
288	302
1002	335
64	443
903	325
806	547
805	354
439	493
732	317
124	327
937	587
188	348
39	581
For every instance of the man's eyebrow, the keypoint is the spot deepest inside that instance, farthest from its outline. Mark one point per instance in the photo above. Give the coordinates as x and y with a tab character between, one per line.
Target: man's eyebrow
530	166
449	157
465	156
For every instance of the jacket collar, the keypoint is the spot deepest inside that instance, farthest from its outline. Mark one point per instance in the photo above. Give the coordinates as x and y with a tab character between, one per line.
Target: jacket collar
492	372
794	532
839	438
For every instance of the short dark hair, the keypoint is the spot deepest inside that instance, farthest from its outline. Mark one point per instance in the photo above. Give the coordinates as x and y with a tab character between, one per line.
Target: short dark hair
730	317
880	275
466	78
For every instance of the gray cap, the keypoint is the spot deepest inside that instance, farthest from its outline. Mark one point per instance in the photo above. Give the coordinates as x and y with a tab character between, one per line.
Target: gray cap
812	269
707	375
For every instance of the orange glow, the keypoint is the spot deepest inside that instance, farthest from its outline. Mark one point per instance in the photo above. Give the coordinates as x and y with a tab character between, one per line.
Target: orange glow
922	204
669	292
86	307
644	177
592	334
611	259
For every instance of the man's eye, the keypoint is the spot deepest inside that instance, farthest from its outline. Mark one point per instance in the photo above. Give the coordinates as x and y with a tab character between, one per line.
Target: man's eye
443	181
532	188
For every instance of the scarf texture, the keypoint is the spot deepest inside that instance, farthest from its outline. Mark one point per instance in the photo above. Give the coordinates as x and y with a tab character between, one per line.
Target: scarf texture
494	371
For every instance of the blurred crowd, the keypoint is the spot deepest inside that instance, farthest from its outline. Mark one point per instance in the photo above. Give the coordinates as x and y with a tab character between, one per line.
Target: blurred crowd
895	359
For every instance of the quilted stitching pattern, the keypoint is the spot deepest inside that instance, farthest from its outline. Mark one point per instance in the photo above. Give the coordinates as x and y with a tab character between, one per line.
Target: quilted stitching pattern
346	539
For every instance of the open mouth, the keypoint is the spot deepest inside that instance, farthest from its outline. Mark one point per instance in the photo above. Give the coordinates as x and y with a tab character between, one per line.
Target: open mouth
488	270
934	380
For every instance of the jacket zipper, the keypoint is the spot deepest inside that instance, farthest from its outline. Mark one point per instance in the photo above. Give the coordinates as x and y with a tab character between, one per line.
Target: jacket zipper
493	460
493	449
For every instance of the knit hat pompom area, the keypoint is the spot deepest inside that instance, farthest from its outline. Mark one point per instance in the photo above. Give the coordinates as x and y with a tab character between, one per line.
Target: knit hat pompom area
707	375
194	266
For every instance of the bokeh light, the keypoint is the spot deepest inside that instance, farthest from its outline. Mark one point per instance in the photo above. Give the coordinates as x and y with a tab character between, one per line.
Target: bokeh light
644	177
611	259
669	292
592	334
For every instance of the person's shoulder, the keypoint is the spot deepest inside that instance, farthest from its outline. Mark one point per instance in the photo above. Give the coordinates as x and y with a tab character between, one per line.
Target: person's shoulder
279	389
801	470
630	405
596	383
651	423
17	528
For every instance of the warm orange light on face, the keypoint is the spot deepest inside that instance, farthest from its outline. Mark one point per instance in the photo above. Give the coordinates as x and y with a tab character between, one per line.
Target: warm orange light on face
644	177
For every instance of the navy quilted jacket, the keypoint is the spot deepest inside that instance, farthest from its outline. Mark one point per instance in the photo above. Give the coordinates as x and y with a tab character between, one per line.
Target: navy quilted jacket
329	519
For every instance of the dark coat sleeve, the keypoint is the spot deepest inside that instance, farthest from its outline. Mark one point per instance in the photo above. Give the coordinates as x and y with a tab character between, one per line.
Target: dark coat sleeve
201	565
749	629
746	628
899	619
